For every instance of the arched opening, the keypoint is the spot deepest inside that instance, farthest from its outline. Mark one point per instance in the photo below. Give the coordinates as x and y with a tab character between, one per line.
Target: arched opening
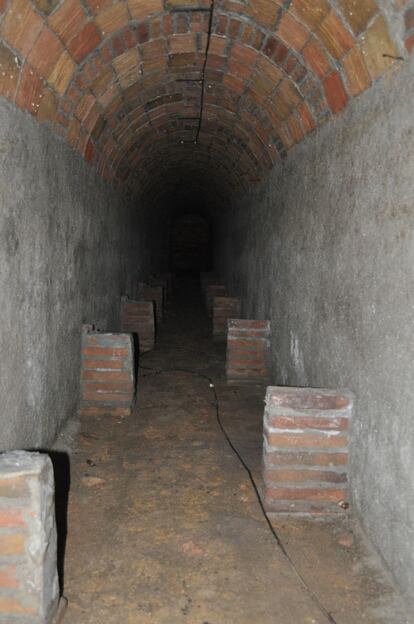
190	245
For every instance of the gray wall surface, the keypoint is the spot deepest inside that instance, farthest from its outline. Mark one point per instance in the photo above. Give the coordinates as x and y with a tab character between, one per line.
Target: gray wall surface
69	247
325	248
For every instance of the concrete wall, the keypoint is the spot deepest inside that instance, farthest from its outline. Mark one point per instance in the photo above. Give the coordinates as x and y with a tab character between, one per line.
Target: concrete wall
325	249
69	247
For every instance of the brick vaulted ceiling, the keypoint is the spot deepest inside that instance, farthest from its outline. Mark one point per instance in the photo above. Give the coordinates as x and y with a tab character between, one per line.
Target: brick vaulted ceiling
152	90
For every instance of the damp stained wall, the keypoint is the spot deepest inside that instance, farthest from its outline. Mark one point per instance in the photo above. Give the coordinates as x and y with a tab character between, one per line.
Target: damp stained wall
70	246
324	248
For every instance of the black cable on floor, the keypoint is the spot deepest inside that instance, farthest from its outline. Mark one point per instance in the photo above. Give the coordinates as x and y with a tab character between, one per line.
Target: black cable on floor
216	404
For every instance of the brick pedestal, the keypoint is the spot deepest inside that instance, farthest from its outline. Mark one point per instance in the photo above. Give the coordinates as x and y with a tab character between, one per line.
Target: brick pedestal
138	317
107	375
155	294
29	586
213	290
224	308
248	351
305	454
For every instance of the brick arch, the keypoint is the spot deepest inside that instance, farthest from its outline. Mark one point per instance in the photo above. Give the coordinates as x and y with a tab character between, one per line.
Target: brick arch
114	78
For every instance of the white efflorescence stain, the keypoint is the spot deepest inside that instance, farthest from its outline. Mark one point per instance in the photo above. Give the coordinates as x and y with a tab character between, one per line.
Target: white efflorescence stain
297	357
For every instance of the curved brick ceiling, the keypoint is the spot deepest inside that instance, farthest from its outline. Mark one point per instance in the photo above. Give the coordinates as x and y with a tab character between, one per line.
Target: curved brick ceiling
126	82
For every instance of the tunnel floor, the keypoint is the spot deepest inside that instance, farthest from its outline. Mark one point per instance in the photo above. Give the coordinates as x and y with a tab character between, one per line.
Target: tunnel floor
165	527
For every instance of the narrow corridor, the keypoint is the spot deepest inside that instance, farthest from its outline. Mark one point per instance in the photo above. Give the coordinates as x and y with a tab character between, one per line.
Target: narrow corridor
164	525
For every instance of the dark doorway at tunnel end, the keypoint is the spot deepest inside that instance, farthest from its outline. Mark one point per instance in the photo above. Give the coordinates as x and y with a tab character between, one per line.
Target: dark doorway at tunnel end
190	245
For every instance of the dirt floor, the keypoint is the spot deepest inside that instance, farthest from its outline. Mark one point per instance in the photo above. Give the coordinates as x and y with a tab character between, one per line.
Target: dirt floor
164	526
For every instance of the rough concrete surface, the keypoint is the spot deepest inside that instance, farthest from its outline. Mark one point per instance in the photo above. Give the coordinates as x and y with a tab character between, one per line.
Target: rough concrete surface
325	249
67	243
165	527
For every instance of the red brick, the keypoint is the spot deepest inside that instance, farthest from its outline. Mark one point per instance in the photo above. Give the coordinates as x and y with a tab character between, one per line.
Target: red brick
94	410
316	58
108	364
98	5
105	375
8	579
308	422
409	43
335	36
248	333
308	440
358	13
242	344
45	52
112	18
311	12
307	494
335	92
13	487
299	476
105	397
308	122
306	458
246	354
303	399
107	386
30	90
9	73
89	151
68	20
356	72
13	607
10	518
250	364
105	351
21	26
84	42
12	545
142	9
294	34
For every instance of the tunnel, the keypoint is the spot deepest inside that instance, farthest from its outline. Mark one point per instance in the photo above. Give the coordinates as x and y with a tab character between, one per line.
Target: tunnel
269	144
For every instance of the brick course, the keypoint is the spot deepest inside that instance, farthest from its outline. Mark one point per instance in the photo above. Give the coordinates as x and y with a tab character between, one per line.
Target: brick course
107	374
138	317
248	351
305	450
29	586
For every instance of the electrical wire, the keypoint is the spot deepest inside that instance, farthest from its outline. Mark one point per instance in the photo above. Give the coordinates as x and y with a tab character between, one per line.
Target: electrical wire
203	72
216	405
